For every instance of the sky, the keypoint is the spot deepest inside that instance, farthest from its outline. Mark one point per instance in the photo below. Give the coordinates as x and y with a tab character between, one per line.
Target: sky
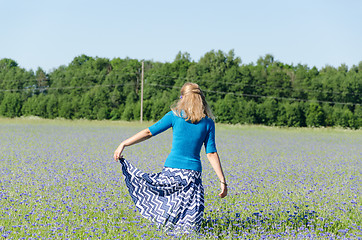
50	33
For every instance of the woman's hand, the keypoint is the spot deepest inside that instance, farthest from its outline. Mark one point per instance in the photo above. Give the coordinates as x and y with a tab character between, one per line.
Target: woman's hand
224	190
216	165
118	153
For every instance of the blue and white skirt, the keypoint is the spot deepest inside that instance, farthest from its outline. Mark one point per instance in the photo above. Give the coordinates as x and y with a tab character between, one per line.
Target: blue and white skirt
173	198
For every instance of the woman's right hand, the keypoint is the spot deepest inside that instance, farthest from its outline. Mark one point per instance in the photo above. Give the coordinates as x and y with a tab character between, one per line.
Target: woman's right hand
224	190
118	153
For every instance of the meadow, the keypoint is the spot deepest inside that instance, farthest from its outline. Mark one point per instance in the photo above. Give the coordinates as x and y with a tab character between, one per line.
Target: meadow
59	181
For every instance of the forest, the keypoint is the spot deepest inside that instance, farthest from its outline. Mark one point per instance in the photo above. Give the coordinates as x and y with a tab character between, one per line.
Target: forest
267	92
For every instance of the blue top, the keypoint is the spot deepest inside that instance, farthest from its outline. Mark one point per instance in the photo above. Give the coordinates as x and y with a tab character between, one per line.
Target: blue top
187	140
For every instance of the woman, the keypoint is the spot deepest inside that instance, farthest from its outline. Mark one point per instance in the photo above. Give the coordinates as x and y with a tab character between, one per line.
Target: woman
174	198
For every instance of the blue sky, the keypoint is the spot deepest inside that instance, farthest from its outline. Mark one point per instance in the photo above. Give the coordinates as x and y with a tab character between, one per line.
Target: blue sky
50	33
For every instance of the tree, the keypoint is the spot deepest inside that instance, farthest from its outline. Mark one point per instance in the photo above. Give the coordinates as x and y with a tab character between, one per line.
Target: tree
80	60
315	115
358	116
295	115
226	109
11	105
99	88
128	112
267	112
41	78
278	82
6	63
52	106
328	110
65	107
250	112
266	61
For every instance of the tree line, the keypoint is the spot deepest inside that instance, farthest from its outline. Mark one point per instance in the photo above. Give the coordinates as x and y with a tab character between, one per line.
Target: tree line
267	92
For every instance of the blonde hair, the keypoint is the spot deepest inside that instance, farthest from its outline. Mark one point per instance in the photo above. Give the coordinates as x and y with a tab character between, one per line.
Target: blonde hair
192	104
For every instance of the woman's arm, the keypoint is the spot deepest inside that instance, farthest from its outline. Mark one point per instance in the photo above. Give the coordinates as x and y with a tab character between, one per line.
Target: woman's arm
138	137
216	165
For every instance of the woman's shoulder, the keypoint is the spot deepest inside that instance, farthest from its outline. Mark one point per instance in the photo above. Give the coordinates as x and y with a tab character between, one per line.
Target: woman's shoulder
210	124
209	120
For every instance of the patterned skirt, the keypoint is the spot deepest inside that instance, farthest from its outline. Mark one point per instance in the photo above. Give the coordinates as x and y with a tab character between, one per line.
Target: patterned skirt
173	198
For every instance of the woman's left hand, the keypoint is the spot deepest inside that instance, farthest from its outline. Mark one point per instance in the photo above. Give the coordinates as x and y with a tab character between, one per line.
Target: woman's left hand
118	153
224	190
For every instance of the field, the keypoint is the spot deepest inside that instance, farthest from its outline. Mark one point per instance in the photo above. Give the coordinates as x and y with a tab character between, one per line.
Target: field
58	180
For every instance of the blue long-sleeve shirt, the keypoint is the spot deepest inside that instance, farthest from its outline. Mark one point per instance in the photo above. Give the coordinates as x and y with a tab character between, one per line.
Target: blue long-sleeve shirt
188	139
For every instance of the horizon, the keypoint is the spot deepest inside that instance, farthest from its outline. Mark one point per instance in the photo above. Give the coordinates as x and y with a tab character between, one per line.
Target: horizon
192	60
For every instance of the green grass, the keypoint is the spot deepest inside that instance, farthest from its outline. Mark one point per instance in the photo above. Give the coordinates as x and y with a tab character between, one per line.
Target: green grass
58	181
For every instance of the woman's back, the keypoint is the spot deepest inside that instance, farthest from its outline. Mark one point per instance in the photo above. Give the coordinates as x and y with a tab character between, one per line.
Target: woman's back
188	139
